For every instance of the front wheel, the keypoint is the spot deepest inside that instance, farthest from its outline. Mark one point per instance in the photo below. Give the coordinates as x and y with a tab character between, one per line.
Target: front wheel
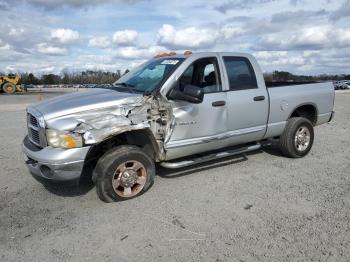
123	173
297	138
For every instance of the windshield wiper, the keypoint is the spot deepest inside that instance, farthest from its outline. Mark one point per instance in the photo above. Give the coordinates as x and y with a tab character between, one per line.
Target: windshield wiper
128	86
124	84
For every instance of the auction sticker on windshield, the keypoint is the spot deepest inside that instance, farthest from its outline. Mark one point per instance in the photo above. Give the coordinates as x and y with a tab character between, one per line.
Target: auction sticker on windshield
170	62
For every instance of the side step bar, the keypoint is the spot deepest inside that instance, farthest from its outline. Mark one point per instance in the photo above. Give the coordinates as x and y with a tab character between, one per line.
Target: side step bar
205	158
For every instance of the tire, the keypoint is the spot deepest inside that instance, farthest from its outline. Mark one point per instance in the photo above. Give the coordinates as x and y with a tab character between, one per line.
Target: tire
9	88
122	173
297	138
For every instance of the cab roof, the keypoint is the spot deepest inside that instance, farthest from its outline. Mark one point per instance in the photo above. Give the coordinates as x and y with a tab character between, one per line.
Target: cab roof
200	54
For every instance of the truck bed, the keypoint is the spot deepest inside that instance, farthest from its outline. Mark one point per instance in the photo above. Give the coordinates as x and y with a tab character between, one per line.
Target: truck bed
285	99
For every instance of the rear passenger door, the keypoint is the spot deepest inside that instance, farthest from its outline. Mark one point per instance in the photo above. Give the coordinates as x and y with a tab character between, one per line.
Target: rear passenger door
247	102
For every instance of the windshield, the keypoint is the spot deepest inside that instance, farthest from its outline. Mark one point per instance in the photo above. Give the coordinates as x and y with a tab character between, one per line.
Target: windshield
148	76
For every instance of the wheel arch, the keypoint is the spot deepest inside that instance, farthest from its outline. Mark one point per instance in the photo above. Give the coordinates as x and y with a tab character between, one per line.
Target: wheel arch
306	110
142	138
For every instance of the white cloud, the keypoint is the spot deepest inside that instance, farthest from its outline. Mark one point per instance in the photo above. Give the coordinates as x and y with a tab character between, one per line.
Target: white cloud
59	4
125	37
342	37
193	37
229	31
99	42
342	12
270	55
240	4
278	59
283	36
64	36
131	52
307	38
101	62
46	49
4	46
30	67
311	53
48	69
294	60
190	37
317	35
16	32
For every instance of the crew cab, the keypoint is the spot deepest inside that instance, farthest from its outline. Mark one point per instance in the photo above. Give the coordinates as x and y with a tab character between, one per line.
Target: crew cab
175	110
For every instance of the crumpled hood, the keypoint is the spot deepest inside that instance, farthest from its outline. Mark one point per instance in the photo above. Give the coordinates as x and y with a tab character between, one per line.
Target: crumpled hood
84	101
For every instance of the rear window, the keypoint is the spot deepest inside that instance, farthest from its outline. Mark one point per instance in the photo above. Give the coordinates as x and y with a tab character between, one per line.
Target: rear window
240	73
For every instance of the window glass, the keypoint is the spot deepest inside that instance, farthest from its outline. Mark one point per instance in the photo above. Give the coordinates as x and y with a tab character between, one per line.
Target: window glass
203	73
186	78
240	73
207	70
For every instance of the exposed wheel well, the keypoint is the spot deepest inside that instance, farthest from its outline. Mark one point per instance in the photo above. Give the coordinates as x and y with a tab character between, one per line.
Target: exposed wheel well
307	111
141	138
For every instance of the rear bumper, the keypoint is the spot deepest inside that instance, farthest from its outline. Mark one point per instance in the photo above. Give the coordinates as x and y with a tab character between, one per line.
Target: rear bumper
55	164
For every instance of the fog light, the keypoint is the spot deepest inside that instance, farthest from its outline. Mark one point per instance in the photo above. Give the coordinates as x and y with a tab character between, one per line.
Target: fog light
46	171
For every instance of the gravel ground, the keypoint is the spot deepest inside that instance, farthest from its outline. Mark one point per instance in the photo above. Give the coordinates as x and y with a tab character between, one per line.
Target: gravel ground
257	207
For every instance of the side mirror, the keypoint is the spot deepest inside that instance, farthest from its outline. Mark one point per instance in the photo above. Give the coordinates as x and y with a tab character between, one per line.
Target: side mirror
191	93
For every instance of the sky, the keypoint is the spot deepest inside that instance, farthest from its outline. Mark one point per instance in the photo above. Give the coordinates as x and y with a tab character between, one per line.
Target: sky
53	36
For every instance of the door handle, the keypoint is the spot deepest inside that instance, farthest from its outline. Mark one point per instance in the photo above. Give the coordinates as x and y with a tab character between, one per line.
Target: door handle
259	98
218	103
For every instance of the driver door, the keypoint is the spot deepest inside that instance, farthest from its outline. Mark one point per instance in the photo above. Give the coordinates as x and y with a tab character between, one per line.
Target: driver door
198	126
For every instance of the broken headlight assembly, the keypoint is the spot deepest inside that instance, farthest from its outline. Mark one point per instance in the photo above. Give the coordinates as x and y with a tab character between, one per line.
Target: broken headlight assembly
63	139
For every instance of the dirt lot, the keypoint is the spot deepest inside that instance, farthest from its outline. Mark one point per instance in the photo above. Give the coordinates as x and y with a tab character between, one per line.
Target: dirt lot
258	207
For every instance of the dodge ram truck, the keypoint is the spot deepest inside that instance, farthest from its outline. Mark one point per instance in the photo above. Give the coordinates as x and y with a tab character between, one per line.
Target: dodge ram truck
174	110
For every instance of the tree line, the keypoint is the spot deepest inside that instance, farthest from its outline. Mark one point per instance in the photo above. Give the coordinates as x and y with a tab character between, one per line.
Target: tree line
103	77
283	76
67	78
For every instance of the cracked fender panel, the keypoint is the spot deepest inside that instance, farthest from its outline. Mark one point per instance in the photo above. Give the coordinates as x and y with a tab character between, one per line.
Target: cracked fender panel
135	113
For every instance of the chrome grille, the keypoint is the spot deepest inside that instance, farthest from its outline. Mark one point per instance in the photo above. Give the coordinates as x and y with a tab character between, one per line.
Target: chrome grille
36	134
33	121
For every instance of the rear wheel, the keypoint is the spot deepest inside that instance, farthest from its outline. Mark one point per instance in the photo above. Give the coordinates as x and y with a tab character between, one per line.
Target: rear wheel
9	88
297	138
123	173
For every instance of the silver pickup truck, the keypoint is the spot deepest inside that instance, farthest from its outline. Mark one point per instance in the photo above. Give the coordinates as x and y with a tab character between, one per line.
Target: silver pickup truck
176	110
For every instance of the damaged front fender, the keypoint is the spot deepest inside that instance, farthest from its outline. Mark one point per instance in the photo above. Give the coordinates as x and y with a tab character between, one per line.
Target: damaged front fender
140	113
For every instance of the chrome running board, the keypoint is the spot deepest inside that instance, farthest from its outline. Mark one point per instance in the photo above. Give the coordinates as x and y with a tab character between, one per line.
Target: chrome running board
205	158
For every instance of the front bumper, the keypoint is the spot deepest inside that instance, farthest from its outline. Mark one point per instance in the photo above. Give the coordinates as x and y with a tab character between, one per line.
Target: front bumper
54	164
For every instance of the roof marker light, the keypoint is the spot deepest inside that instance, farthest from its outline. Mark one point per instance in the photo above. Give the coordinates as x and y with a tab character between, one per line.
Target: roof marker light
165	55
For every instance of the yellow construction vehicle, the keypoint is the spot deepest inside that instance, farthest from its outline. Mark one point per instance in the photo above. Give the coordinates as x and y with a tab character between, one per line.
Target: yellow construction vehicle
10	84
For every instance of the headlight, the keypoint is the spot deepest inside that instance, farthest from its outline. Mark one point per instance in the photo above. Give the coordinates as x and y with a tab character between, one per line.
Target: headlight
63	139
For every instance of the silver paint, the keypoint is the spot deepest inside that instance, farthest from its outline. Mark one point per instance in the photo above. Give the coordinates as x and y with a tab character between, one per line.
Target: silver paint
181	128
